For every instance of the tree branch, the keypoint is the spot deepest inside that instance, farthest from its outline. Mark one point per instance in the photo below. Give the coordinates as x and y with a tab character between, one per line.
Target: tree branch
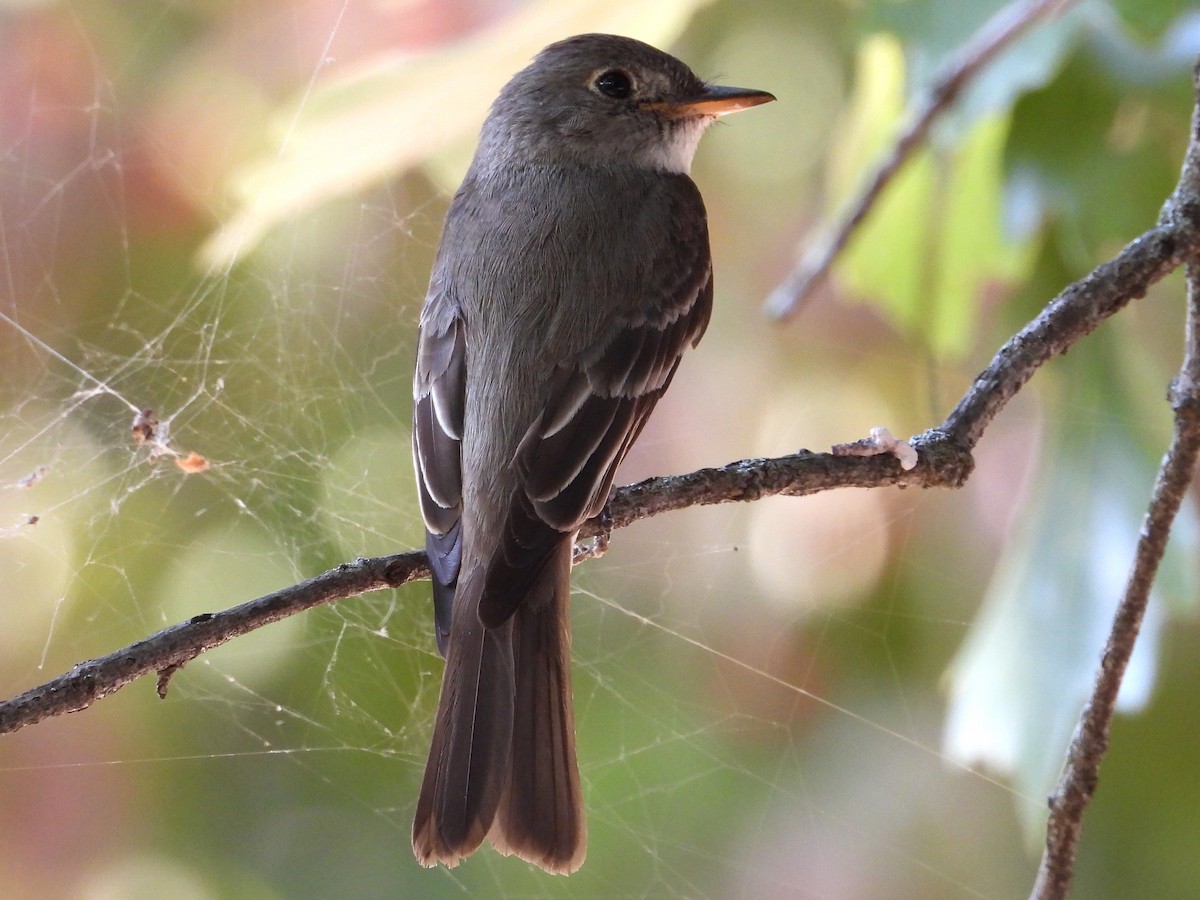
1072	315
944	452
1081	774
993	36
169	650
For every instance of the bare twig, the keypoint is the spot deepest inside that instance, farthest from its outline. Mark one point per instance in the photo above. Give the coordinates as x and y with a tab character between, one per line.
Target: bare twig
993	36
1073	314
1081	774
170	649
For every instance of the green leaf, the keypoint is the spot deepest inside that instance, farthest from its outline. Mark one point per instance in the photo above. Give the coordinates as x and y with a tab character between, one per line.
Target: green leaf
934	240
933	32
1151	18
1096	151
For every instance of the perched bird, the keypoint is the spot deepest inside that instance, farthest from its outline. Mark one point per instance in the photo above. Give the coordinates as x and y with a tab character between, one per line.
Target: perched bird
573	272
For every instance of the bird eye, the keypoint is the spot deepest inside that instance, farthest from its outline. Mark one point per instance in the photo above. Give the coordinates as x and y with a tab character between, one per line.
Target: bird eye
614	83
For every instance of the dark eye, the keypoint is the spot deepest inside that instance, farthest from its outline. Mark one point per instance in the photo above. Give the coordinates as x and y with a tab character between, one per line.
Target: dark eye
614	83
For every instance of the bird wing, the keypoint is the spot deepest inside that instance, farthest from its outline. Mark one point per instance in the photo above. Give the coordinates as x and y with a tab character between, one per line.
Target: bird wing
439	393
597	405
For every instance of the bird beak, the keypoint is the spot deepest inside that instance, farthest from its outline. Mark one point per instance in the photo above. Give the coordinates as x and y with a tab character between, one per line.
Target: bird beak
714	100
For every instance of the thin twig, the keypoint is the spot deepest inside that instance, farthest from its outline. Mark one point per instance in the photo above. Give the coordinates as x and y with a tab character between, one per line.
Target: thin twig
1081	774
1073	314
993	36
170	649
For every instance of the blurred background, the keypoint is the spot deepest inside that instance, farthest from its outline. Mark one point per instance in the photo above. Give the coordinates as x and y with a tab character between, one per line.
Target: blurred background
226	213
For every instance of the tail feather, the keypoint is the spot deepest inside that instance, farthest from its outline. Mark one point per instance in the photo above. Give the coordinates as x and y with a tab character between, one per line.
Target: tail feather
540	817
502	762
464	775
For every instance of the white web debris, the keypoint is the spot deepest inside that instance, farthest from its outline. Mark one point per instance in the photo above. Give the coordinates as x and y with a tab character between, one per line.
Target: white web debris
879	442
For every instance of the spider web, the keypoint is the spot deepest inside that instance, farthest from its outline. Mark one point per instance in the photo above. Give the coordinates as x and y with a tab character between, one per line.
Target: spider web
756	688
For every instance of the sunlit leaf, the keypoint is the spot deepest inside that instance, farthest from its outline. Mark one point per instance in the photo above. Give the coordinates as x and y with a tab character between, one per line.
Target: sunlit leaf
935	238
399	110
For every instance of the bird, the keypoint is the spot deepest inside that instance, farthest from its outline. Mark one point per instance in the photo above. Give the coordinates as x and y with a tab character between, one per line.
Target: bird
572	273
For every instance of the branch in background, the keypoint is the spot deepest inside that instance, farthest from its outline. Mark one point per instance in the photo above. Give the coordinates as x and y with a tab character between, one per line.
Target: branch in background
994	36
1081	774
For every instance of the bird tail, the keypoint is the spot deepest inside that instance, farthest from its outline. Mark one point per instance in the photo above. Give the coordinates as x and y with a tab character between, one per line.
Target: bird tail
471	736
540	818
502	763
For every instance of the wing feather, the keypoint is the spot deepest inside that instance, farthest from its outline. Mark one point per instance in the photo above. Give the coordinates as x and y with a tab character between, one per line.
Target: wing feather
625	380
599	403
439	391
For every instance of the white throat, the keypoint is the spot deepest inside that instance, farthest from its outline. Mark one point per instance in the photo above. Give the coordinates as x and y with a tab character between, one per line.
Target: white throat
675	155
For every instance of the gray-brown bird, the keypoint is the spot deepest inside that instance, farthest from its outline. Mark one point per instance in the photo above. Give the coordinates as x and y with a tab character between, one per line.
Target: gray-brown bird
573	272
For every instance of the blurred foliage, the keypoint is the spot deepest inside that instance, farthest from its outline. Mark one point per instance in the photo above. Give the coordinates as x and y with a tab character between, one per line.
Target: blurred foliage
1015	710
937	235
316	145
758	723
